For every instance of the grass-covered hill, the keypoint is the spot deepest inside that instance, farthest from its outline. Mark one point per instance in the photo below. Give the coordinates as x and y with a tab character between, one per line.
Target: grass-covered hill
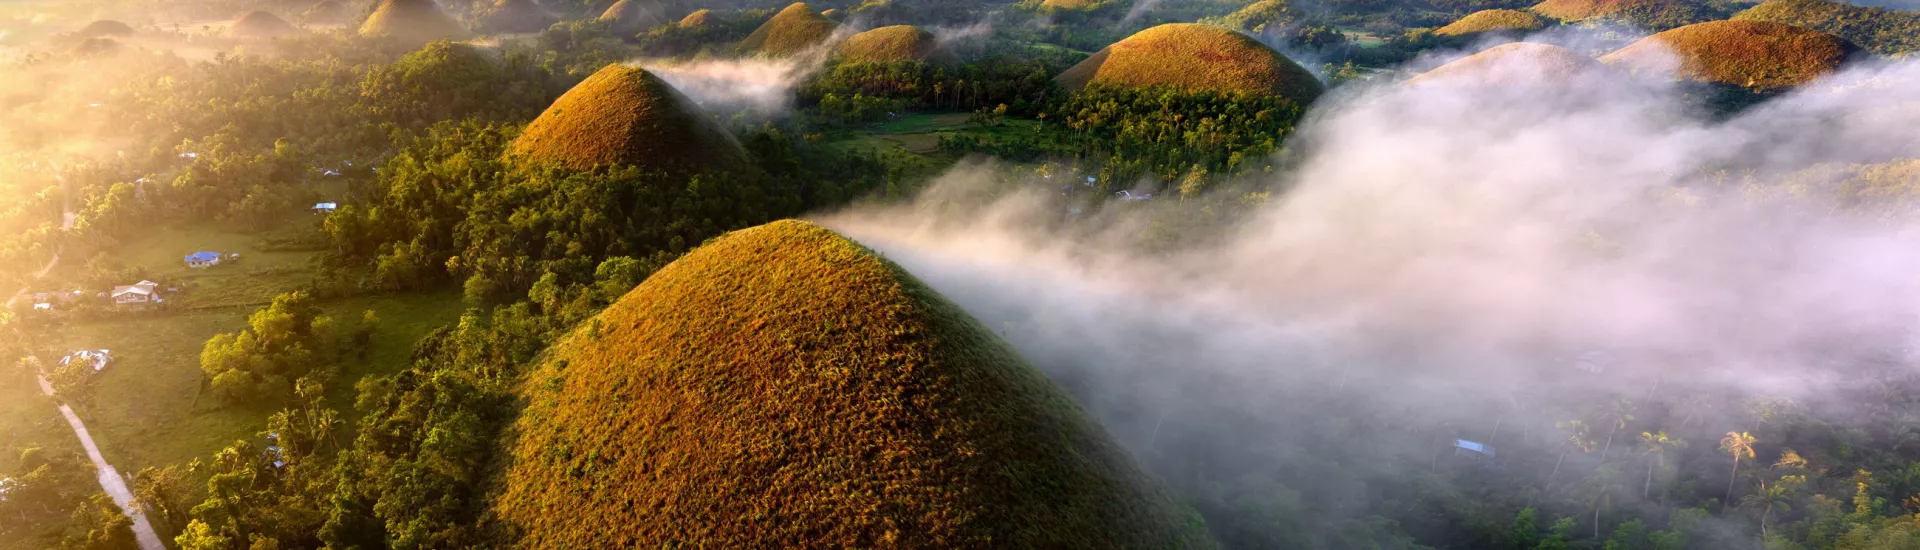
412	21
1517	63
784	387
1483	21
793	30
1651	14
626	115
1256	17
630	16
1756	55
260	24
104	27
1884	31
699	19
1196	58
516	16
326	12
889	44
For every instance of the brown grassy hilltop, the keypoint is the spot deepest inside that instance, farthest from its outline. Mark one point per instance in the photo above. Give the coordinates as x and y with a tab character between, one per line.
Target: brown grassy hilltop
626	115
516	16
889	44
1493	21
784	387
412	21
630	16
698	19
1196	58
260	24
1886	31
791	31
1513	64
1653	14
1750	54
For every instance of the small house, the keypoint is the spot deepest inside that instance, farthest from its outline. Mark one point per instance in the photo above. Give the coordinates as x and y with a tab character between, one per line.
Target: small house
141	293
325	208
203	259
1475	447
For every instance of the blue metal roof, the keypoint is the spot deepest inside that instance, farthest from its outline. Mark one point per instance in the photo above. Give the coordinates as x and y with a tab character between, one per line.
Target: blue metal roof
203	256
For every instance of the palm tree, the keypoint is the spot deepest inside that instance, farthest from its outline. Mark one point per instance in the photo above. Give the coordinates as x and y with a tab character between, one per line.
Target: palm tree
1694	403
1656	444
1617	416
1778	495
1602	481
1576	439
1737	444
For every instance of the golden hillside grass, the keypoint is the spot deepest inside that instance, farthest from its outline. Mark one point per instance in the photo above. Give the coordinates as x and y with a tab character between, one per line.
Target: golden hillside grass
626	115
1751	54
699	19
791	31
1196	58
1493	21
1258	15
889	44
412	21
1512	64
784	387
260	24
516	16
634	15
104	27
1885	31
1071	5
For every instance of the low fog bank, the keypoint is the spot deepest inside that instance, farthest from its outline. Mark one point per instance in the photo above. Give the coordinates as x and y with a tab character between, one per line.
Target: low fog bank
761	85
1451	260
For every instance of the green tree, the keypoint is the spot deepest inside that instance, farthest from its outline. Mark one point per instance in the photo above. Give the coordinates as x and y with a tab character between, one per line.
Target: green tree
1656	445
1738	444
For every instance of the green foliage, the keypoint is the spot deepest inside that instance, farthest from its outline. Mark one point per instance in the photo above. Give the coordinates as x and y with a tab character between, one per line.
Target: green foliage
1168	132
98	524
1885	31
284	342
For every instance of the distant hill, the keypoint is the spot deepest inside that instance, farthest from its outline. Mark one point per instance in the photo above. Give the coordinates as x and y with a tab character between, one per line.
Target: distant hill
327	12
784	387
260	24
1650	14
516	16
1256	17
889	44
631	16
1512	64
1483	21
104	27
96	46
1756	55
1195	57
791	31
1882	30
412	21
699	19
1072	5
626	115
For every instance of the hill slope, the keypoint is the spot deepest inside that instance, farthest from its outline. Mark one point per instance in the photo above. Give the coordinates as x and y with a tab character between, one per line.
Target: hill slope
1512	64
631	16
1885	31
1493	21
1196	58
412	21
326	12
260	24
1750	54
104	27
791	31
1652	14
784	387
626	115
516	16
889	44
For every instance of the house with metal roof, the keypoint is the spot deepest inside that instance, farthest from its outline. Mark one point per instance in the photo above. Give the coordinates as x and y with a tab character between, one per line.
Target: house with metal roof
203	259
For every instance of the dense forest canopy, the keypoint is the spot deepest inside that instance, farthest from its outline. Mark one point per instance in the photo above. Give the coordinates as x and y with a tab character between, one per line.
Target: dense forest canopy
1595	274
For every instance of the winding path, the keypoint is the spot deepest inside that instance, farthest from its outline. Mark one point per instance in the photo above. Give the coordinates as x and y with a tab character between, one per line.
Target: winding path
110	480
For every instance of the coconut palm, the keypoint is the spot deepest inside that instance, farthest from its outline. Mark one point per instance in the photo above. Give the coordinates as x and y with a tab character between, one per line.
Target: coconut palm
1577	438
1776	495
1656	444
1616	416
1737	444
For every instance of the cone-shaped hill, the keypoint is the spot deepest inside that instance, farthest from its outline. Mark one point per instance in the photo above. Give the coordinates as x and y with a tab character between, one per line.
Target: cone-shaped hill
104	27
327	12
412	21
1659	14
516	16
626	115
260	24
784	387
631	16
1196	58
1885	31
1483	21
1258	16
1756	55
699	19
791	31
1513	64
889	44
